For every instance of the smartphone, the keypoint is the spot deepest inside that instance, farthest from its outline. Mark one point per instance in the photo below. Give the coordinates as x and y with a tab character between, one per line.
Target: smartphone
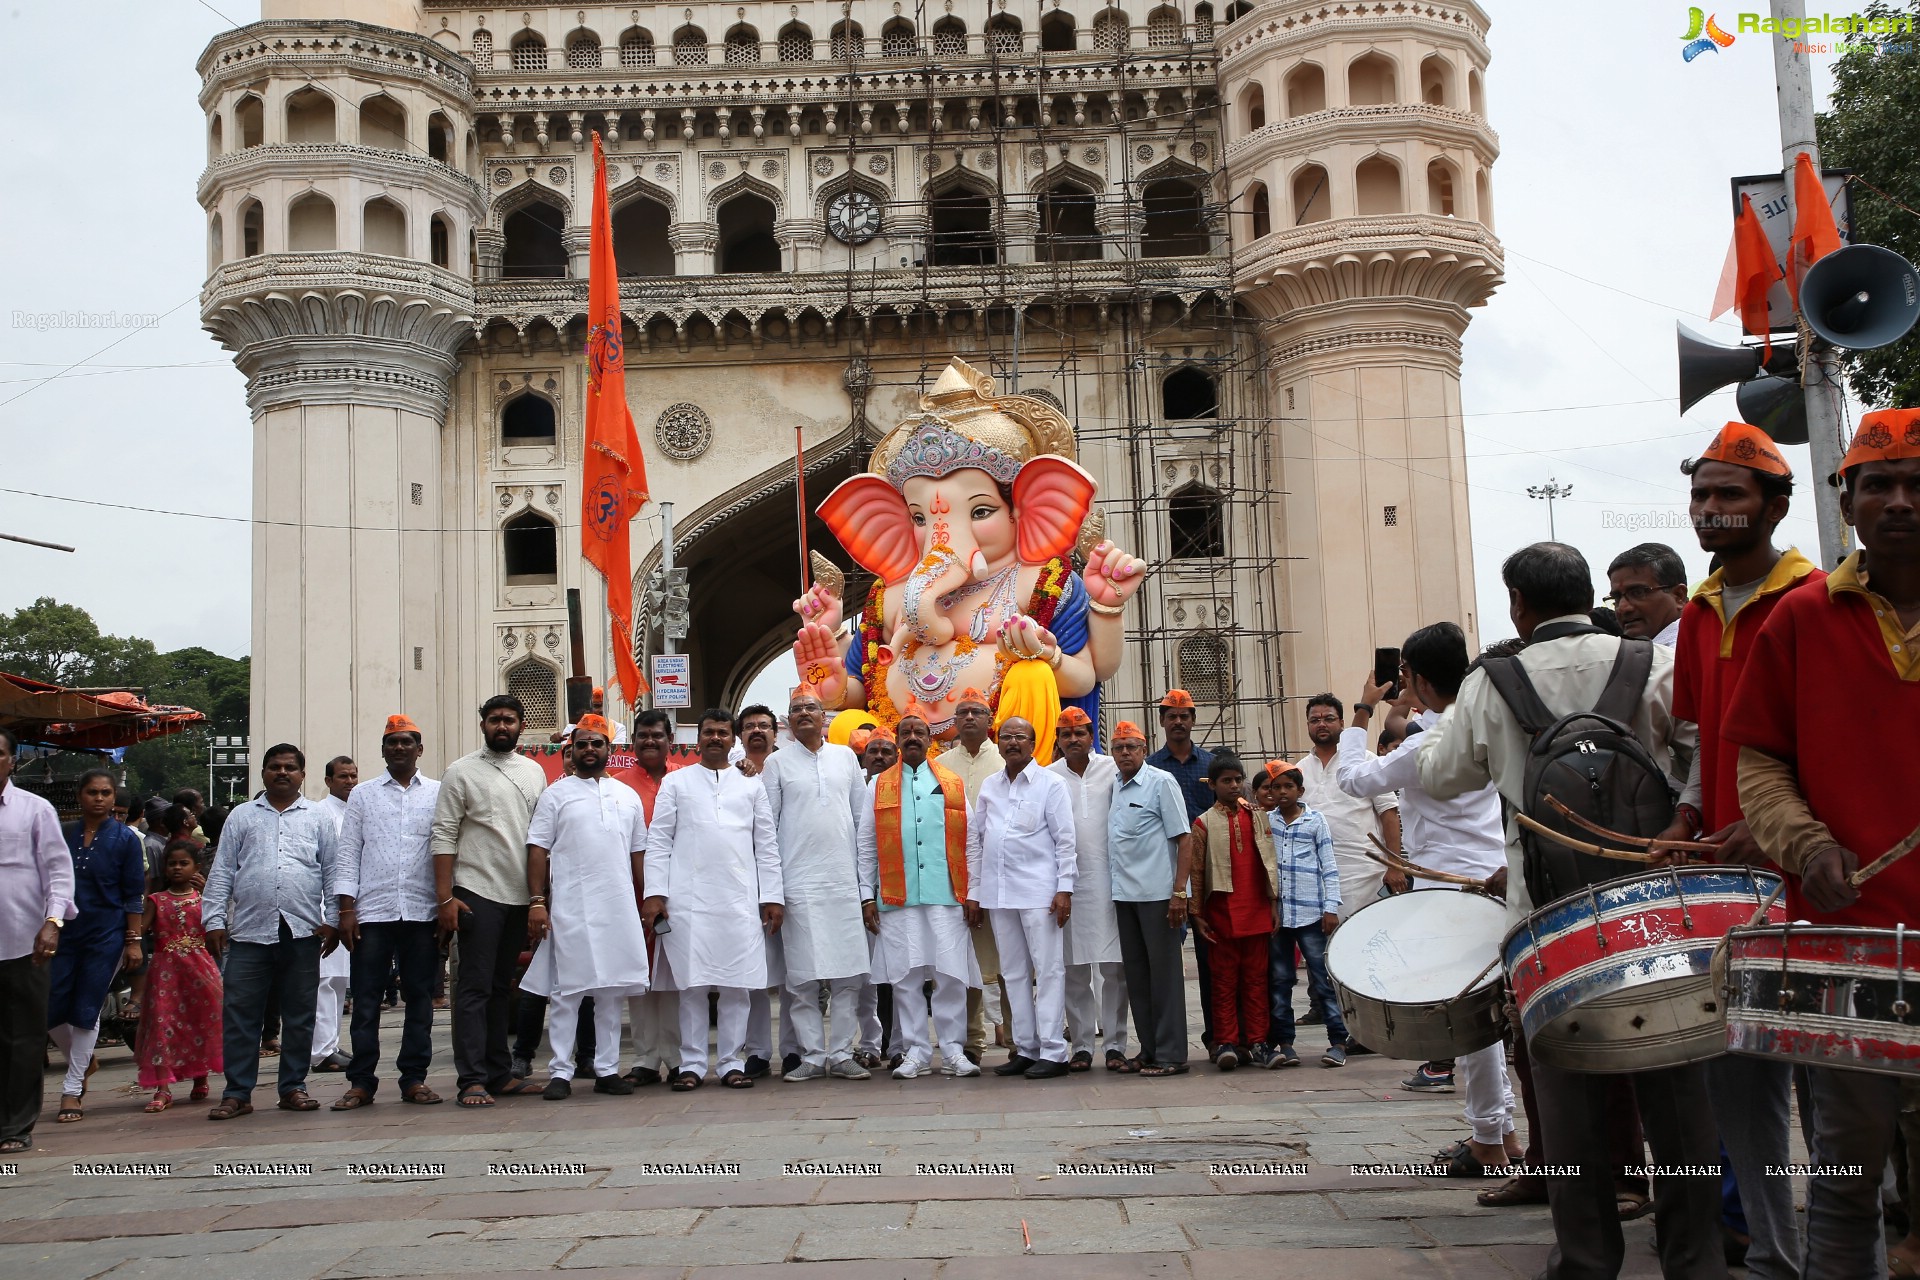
1386	671
662	925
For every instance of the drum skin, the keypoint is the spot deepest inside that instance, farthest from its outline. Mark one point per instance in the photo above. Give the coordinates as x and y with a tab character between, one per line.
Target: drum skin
1826	995
1417	974
1618	977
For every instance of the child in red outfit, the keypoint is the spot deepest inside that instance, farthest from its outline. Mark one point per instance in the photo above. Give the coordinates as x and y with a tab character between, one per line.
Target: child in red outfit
1238	877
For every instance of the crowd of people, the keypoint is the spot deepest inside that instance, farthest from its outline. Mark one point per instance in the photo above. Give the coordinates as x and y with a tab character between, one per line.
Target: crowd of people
876	893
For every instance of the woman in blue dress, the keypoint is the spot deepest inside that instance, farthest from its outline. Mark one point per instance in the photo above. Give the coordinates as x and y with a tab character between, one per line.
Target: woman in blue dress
109	893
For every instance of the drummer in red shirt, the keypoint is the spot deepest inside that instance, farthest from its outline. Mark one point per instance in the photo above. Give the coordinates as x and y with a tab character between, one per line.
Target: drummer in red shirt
1825	718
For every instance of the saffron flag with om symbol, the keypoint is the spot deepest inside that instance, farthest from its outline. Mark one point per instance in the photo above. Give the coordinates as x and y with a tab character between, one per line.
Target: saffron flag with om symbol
613	485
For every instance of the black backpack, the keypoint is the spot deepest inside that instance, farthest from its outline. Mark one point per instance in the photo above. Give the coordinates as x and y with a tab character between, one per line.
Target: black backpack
1591	762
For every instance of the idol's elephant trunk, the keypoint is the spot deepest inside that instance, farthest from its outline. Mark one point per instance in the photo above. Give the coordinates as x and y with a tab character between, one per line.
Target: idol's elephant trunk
940	571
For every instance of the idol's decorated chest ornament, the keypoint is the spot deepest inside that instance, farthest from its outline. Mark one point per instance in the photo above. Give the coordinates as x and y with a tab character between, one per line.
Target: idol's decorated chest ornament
968	514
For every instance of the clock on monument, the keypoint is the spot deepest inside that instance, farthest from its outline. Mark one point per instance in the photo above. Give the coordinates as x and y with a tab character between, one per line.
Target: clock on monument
853	217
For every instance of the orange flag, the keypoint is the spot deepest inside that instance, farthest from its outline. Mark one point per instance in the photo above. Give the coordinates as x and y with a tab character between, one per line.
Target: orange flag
1814	235
1758	269
613	484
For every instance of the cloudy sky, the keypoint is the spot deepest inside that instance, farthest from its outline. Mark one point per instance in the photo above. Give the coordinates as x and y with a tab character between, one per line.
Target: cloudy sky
1610	195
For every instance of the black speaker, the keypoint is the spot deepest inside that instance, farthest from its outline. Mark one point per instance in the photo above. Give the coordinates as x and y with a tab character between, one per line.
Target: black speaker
1706	366
1778	406
1860	297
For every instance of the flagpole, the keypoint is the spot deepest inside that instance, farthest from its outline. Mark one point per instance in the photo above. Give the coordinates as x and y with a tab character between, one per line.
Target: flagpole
800	502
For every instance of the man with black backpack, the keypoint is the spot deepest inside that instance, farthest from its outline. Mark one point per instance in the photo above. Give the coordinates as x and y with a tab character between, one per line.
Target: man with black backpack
1586	717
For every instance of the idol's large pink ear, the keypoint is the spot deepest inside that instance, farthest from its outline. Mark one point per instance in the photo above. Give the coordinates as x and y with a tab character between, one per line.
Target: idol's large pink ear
1051	498
872	522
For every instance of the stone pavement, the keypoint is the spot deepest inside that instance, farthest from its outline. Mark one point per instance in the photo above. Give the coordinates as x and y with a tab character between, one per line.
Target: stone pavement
792	1186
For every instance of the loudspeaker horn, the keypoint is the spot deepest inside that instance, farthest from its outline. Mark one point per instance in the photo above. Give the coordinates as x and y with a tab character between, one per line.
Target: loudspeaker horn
1706	366
1860	297
1778	406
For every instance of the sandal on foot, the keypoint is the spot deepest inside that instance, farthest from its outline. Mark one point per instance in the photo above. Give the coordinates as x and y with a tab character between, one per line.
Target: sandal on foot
1632	1205
1164	1069
475	1095
161	1101
420	1096
687	1081
1116	1060
69	1115
269	1048
1125	1066
229	1108
11	1145
515	1088
1081	1061
352	1099
737	1080
1512	1192
297	1100
199	1093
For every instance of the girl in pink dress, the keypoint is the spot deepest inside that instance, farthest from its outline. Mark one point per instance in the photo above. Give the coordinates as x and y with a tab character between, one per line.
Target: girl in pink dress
180	1028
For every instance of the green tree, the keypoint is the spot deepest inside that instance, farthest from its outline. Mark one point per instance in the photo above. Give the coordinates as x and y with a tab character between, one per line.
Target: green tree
1871	129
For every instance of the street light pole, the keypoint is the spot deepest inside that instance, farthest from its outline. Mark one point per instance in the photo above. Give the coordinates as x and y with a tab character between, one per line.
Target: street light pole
1551	490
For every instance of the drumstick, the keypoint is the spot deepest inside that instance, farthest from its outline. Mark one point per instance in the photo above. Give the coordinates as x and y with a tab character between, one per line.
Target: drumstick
1622	855
1620	837
1761	915
1885	860
1491	966
1395	862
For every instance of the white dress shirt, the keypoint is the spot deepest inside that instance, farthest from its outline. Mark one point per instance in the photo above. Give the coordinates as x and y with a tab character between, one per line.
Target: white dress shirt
386	849
1020	841
1465	835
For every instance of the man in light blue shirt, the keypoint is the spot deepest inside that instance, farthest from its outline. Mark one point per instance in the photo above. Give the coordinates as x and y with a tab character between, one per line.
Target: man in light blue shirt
269	909
1150	854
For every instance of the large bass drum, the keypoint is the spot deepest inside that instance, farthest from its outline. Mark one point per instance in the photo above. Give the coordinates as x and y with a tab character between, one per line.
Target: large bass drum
1418	974
1827	995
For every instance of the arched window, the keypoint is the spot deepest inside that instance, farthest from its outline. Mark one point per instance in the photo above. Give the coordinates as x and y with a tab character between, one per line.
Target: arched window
1111	33
796	43
439	139
1163	26
689	47
1189	394
440	241
482	51
747	243
527	419
640	245
529	52
383	124
214	145
1238	10
742	46
1068	231
252	229
249	120
1440	179
1371	81
1056	32
1436	81
1476	94
1256	107
636	48
531	549
1483	199
537	687
1003	33
1196	524
1175	227
1306	90
583	52
383	228
309	116
950	38
216	247
1206	670
1260	210
1311	200
846	41
1376	187
1203	22
310	225
962	229
898	39
532	246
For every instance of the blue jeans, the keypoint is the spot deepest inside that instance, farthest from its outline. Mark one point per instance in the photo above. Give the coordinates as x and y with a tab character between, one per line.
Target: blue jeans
413	946
1312	941
290	967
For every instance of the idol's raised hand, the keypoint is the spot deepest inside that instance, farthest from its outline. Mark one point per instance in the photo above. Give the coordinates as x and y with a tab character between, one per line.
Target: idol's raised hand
1112	576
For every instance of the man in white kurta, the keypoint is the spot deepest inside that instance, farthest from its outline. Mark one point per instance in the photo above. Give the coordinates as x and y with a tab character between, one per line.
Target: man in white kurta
713	873
913	879
816	791
337	967
1096	984
1021	866
584	851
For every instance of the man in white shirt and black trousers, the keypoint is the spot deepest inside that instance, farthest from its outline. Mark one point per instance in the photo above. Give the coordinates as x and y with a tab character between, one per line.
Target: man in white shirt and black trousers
1021	864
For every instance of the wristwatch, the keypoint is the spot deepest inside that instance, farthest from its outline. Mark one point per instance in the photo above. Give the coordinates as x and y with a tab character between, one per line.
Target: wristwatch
56	922
1363	706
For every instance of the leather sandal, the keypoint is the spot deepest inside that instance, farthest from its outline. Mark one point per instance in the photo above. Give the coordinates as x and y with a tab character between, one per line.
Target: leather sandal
353	1099
229	1108
1512	1192
297	1100
687	1081
737	1080
420	1096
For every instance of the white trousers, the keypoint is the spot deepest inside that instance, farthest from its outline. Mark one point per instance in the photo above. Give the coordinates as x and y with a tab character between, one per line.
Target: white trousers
1108	1005
1489	1106
729	1037
656	1029
76	1043
869	1010
331	997
949	1017
563	1020
1033	962
824	1039
759	1037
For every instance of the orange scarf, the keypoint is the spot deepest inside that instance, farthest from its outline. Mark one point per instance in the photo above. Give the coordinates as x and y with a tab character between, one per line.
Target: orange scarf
886	812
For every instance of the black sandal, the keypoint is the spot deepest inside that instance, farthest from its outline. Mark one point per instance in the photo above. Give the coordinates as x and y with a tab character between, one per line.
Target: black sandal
688	1081
10	1145
1165	1069
737	1080
475	1095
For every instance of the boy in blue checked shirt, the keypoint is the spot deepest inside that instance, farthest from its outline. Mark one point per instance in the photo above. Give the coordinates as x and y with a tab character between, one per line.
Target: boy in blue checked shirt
1306	912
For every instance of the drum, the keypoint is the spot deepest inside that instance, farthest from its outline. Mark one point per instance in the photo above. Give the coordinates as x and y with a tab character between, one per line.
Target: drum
1827	995
1417	974
1618	976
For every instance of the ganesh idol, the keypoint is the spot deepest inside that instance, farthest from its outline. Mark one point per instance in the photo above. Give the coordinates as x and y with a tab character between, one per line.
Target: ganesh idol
967	516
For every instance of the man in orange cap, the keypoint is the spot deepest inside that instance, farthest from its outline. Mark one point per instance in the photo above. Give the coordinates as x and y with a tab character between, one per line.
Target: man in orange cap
1187	762
1096	986
974	758
1149	854
598	708
1826	787
389	917
878	752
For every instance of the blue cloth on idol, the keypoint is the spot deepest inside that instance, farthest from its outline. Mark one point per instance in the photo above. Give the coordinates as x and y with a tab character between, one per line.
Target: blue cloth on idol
109	884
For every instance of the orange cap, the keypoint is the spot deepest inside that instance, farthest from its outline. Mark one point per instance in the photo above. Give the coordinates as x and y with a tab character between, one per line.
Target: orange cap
805	689
921	711
1884	436
859	740
591	723
1073	717
973	695
1277	767
1127	729
1745	445
599	692
1177	698
882	734
400	724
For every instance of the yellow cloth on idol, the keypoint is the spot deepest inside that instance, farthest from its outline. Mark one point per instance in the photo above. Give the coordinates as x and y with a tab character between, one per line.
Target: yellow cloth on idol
1029	691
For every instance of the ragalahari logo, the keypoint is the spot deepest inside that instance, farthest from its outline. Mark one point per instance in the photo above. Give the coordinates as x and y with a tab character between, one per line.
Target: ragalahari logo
1703	35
